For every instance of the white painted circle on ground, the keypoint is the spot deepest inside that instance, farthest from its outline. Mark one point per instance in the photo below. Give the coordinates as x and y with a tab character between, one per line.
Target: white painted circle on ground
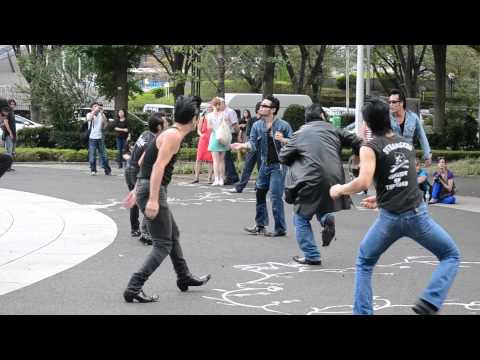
41	236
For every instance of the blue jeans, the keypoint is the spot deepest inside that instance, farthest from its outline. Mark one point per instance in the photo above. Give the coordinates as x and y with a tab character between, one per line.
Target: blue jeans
437	187
250	160
270	177
120	146
230	171
9	145
388	228
93	145
304	235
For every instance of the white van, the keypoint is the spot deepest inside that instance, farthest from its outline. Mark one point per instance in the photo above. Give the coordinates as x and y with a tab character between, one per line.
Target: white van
248	101
151	108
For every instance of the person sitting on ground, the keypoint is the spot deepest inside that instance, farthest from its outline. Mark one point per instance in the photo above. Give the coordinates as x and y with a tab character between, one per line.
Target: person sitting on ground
423	184
443	188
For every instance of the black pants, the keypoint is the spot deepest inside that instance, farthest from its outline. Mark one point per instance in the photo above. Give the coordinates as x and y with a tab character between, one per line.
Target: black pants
131	179
230	171
5	163
250	160
165	236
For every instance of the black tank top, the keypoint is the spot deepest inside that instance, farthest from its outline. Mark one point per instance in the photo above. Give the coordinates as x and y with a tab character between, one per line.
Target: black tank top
150	157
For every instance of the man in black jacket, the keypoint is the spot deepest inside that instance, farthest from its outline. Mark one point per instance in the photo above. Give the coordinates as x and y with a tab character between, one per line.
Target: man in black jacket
313	158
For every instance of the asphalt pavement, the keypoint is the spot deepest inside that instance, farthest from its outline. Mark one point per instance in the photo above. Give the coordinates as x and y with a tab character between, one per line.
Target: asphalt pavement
251	275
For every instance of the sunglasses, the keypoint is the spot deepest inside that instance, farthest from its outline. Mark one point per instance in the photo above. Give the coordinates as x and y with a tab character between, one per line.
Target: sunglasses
267	106
394	101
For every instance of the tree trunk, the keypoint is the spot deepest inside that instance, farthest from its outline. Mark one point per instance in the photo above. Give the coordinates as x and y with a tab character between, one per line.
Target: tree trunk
269	72
120	77
178	89
440	58
221	70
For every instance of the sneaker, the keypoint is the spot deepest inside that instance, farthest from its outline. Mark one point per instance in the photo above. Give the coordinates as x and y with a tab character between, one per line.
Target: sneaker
258	230
220	182
195	181
93	173
423	307
11	169
328	232
234	190
108	172
135	233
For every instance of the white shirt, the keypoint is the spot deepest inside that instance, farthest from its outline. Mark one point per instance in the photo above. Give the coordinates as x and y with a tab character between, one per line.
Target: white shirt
231	117
97	126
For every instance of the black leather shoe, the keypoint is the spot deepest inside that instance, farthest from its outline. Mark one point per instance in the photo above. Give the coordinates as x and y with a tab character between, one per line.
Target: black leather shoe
304	261
145	241
277	234
230	182
328	232
192	280
141	297
258	230
135	233
423	307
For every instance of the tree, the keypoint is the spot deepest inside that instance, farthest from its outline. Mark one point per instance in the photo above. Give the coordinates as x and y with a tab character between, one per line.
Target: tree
56	85
440	58
310	68
269	72
221	70
34	58
402	63
177	61
112	65
247	62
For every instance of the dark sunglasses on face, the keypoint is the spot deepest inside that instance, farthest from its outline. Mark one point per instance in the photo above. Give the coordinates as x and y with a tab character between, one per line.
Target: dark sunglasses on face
267	106
394	101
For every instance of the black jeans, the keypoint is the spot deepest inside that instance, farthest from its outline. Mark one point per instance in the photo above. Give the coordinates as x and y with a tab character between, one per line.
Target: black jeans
5	163
131	179
230	171
250	160
165	236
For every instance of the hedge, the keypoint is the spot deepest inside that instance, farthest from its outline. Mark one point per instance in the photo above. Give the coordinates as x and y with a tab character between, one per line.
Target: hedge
24	154
188	154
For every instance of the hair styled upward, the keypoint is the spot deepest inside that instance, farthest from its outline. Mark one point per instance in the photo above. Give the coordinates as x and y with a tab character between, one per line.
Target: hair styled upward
185	109
376	114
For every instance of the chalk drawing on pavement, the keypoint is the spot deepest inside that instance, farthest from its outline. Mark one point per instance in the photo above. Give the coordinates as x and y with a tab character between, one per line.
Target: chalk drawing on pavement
266	291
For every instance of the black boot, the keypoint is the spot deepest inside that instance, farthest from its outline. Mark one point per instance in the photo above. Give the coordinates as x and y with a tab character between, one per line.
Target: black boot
141	297
192	280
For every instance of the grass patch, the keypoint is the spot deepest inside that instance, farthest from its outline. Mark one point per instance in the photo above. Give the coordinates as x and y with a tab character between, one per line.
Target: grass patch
466	167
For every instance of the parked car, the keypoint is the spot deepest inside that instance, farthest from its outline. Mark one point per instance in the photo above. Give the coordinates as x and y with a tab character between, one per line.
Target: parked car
21	122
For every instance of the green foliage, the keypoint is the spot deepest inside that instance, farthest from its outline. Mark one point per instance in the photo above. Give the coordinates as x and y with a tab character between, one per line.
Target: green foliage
159	93
34	137
295	115
137	101
55	86
109	59
342	82
466	167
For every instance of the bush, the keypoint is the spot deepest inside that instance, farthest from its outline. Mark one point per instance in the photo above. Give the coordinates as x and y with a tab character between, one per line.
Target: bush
34	137
66	139
295	116
455	134
159	93
342	82
471	130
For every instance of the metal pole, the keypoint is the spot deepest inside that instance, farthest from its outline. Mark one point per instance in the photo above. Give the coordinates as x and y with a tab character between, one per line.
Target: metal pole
347	77
367	89
360	88
79	68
